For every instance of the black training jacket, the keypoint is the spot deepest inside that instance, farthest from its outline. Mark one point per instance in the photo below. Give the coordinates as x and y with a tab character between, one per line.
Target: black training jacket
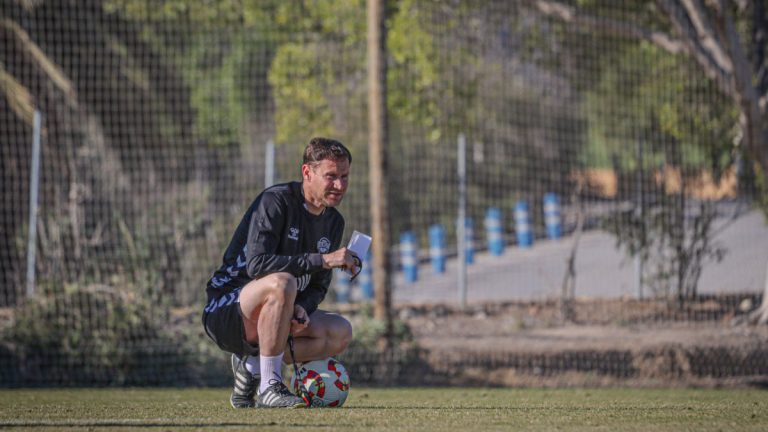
278	234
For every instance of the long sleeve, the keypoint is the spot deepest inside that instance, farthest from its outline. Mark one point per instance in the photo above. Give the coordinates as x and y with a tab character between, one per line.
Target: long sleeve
311	297
266	225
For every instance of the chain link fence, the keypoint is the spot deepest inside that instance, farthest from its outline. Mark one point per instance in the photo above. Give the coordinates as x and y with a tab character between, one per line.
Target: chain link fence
607	185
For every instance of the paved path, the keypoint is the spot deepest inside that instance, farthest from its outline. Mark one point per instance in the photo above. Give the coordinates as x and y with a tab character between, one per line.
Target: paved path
601	269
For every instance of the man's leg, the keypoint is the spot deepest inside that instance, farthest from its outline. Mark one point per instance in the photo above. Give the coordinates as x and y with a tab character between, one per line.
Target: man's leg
246	382
327	335
223	323
266	305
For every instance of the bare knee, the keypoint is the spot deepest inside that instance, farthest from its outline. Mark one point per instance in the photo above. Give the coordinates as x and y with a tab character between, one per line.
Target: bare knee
342	335
281	288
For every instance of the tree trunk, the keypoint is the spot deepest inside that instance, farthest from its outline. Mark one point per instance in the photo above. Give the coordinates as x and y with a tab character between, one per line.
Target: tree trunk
568	290
377	163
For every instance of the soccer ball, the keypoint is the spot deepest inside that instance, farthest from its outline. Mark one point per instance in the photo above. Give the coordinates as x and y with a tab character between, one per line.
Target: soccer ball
326	381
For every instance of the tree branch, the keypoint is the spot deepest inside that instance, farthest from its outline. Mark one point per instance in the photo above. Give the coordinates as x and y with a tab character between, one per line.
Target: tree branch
38	57
569	14
681	21
18	96
759	44
717	66
746	92
708	34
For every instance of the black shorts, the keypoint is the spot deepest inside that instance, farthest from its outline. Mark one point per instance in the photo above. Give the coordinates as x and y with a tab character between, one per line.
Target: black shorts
223	323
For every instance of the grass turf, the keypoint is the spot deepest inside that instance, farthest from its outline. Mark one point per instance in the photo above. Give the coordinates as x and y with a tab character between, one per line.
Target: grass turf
368	409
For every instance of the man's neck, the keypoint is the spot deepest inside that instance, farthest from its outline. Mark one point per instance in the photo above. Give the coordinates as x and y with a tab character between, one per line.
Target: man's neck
315	209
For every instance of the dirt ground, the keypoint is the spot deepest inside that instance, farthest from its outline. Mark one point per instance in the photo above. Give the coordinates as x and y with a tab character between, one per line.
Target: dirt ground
591	343
502	335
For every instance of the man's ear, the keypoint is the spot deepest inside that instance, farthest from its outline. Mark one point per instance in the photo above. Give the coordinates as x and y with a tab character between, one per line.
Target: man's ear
305	171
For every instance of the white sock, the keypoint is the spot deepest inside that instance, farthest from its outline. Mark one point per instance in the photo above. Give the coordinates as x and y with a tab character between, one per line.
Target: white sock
252	365
271	368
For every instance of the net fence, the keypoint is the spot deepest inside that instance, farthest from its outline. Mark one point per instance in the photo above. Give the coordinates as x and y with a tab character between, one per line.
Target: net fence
611	231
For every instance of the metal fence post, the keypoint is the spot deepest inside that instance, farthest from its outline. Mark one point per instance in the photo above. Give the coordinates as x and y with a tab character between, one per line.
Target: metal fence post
34	186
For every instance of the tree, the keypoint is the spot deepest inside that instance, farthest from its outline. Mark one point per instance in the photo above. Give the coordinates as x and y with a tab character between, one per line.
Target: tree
94	93
726	38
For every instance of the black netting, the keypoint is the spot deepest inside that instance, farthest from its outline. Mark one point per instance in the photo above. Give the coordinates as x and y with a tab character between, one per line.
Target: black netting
630	147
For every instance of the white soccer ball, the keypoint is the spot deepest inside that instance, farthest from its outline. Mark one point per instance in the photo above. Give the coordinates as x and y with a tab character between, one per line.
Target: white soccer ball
326	380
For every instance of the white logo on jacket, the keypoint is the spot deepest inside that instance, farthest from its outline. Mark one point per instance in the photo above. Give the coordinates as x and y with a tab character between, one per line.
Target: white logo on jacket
303	281
323	245
294	233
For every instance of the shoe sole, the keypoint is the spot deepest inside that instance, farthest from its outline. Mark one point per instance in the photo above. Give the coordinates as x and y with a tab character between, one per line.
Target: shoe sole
242	406
298	406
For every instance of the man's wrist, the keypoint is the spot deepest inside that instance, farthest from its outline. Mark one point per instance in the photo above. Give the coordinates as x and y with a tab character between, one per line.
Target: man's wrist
317	261
303	306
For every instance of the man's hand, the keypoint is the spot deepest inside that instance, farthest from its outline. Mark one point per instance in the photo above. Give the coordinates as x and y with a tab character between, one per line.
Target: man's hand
300	319
342	258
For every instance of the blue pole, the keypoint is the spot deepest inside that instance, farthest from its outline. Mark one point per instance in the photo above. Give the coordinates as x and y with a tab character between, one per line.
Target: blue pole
342	286
523	225
408	256
469	234
494	232
552	216
366	278
437	247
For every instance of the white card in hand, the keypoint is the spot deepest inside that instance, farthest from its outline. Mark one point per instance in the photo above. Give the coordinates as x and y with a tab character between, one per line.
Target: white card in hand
359	244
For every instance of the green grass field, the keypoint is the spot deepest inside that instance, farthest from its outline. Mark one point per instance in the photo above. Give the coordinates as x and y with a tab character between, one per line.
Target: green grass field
371	409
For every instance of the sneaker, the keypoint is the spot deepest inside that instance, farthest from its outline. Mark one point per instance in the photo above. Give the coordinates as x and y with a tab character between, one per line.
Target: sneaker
277	395
246	384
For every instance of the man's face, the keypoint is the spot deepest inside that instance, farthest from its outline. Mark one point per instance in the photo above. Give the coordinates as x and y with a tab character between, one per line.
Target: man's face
326	182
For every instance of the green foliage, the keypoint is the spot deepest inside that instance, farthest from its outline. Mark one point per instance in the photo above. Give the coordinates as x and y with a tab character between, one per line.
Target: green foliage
198	12
368	331
94	336
674	246
369	359
225	51
316	90
340	20
213	68
298	79
414	82
647	94
299	69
